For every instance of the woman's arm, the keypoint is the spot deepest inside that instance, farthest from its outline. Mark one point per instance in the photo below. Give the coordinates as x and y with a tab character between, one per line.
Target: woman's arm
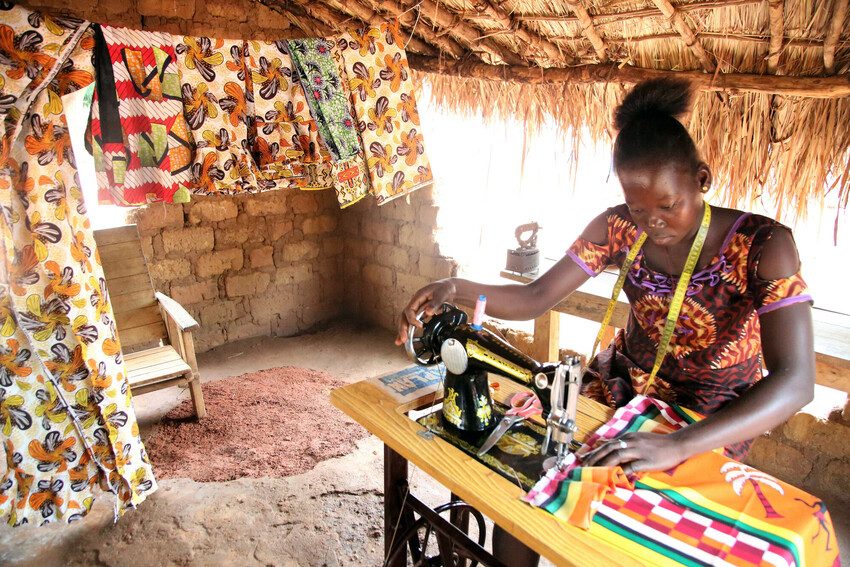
516	302
788	348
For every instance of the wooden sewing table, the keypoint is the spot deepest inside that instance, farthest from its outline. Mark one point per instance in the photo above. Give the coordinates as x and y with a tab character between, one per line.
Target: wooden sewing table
382	411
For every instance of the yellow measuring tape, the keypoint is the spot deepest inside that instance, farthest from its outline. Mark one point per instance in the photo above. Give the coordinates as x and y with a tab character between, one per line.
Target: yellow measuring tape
676	301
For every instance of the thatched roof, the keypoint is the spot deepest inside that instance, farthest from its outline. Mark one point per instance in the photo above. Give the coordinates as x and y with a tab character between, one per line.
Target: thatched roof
773	111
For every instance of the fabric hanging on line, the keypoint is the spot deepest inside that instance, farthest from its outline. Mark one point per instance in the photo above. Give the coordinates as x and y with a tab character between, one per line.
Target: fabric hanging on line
66	419
706	509
386	112
287	148
326	89
219	108
140	141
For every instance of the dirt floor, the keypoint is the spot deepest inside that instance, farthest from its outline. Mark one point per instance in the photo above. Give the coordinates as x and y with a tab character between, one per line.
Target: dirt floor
328	516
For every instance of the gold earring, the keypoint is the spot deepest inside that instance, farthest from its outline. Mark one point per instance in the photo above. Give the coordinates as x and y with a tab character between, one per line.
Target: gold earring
704	189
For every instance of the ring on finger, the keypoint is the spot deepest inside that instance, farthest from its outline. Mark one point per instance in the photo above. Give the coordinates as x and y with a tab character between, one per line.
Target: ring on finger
623	445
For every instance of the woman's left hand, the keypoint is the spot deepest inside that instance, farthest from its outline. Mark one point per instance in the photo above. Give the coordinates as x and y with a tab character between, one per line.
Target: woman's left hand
637	452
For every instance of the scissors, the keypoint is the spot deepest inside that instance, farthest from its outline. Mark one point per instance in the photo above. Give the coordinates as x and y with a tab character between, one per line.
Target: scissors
523	405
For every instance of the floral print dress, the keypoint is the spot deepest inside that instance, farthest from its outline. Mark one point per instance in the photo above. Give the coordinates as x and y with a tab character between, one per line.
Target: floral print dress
219	108
287	147
66	419
386	111
716	345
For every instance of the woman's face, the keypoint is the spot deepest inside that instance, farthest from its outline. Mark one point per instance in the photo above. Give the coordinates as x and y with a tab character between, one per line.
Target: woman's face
666	201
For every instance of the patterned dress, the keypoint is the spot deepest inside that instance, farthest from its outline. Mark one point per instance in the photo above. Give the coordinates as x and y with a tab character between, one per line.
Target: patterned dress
716	345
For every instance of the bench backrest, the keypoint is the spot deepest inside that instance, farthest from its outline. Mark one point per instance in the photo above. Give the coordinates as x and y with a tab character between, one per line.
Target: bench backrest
130	288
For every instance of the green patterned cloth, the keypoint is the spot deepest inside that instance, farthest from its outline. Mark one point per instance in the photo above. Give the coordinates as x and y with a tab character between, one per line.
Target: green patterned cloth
327	95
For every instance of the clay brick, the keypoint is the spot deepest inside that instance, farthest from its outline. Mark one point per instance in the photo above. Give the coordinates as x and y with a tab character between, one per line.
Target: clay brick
233	11
286	325
266	205
319	225
158	216
277	229
392	257
220	312
358	248
409	284
269	19
298	251
193	293
218	262
304	203
426	215
167	8
294	274
332	247
169	269
398	209
248	284
831	438
436	268
260	257
350	225
378	275
418	237
385	231
246	328
188	240
800	428
783	461
207	338
833	481
158	248
147	246
232	235
268	305
214	210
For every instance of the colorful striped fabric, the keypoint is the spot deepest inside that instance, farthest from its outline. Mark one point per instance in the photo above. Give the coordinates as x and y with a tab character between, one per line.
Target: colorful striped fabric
709	510
141	143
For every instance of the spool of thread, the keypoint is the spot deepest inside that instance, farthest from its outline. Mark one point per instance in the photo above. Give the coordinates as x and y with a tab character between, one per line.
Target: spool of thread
478	314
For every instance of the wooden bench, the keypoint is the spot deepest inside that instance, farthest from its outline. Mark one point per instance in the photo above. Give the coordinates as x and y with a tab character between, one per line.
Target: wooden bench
832	340
154	330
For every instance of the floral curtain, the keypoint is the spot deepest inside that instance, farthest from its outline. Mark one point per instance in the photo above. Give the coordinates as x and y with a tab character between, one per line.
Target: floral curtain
66	419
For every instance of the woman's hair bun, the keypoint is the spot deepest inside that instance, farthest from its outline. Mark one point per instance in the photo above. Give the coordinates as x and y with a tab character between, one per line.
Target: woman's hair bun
663	96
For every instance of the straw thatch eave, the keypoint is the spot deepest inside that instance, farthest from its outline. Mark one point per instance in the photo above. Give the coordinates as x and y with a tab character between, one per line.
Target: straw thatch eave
772	116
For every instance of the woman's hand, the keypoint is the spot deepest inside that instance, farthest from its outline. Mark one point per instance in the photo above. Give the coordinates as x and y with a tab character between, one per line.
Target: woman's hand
429	299
638	452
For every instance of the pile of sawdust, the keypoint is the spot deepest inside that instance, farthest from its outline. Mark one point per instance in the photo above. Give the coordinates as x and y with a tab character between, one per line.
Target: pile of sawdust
276	422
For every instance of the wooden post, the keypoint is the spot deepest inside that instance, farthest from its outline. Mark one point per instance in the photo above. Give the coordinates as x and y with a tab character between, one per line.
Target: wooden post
547	330
395	477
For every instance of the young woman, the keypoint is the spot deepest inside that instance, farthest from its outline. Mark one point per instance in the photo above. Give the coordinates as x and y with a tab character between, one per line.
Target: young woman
745	299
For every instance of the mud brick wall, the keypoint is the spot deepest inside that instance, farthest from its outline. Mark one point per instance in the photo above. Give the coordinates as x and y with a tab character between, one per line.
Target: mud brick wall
248	266
812	452
390	252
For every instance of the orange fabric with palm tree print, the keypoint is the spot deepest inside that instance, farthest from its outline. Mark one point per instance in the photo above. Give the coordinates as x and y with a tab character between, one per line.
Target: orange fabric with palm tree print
716	345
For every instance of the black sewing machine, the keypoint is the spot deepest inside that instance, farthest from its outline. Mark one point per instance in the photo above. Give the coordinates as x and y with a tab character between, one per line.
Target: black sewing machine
469	352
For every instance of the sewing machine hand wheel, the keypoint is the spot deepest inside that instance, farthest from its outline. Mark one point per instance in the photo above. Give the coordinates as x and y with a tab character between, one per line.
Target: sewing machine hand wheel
423	345
417	347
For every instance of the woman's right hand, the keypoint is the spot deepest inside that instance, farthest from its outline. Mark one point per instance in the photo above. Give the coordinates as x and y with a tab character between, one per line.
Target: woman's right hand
427	299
